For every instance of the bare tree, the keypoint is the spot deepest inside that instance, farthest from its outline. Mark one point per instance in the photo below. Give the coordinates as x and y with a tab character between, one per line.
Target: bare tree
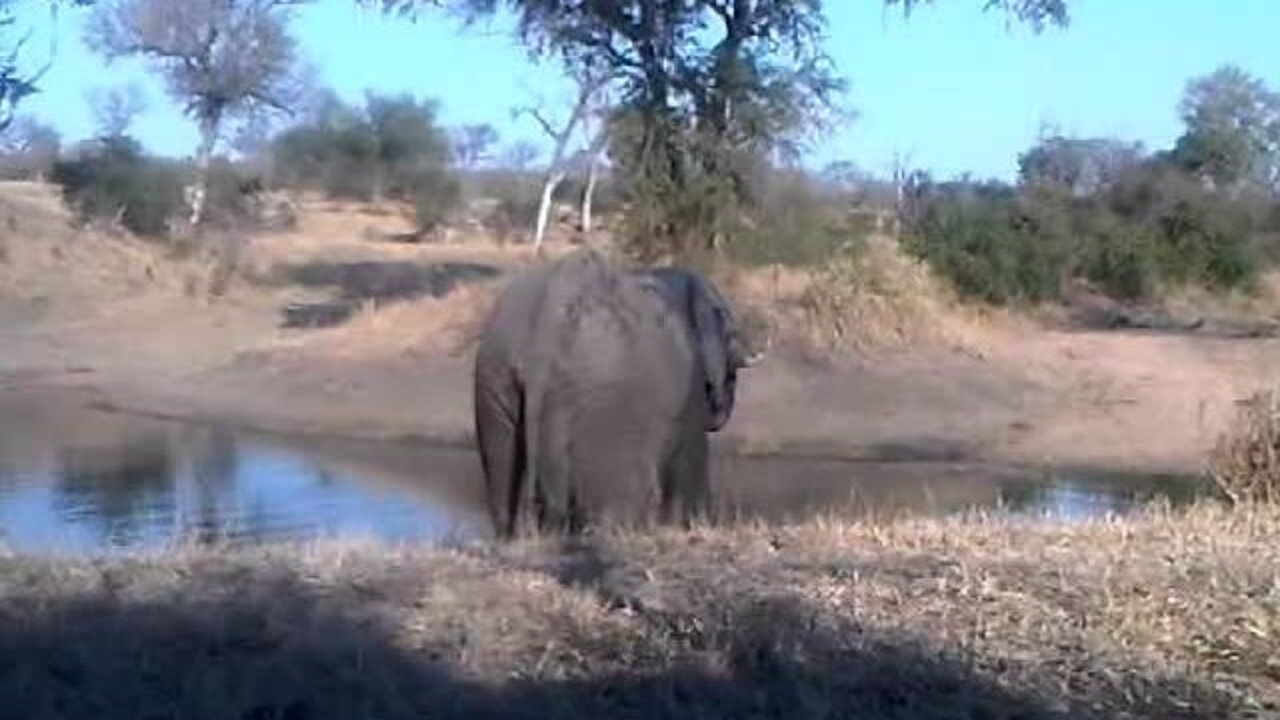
520	155
472	143
588	85
901	172
116	108
222	59
598	130
28	149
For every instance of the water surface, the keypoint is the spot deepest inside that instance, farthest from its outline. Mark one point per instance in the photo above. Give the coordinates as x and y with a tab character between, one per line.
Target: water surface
78	479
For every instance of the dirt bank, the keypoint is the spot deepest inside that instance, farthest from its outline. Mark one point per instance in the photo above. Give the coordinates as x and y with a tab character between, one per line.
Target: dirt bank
1155	617
139	330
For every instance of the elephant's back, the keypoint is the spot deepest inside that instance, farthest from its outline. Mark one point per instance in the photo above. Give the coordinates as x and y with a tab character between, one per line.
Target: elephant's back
509	333
626	358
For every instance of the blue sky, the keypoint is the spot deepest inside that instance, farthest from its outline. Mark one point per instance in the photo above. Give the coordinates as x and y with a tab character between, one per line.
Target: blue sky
952	88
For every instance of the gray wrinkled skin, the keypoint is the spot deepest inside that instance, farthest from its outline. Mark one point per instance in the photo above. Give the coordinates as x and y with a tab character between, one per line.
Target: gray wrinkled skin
595	389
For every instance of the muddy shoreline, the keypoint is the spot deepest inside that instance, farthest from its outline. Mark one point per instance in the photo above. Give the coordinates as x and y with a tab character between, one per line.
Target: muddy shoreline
131	328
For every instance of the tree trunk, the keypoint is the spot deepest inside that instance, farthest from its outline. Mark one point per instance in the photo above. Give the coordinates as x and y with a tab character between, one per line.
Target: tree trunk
553	181
204	158
556	170
588	193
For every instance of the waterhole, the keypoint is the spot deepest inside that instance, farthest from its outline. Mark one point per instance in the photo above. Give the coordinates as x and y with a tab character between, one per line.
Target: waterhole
77	478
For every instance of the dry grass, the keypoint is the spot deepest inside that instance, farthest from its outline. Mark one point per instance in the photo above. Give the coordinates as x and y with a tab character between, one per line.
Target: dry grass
46	256
875	296
447	324
1262	304
1246	461
1160	616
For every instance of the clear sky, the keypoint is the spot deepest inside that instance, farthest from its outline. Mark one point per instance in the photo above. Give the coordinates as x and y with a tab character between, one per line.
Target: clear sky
951	88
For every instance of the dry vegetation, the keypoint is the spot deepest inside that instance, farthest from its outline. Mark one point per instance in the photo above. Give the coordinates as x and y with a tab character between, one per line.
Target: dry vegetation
44	255
873	295
1246	461
448	324
1160	616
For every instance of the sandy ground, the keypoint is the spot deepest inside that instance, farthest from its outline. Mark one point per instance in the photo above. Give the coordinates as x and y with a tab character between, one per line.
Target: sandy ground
137	328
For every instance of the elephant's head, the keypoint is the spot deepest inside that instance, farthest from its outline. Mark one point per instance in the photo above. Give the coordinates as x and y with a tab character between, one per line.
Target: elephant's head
718	339
721	348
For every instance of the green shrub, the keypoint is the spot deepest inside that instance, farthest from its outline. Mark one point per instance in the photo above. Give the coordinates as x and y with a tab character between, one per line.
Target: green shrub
1122	263
1153	228
514	194
233	197
392	148
113	179
437	195
796	222
989	247
1161	227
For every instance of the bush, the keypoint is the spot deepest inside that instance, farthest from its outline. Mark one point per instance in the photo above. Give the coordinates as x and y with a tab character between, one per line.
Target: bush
1153	228
1121	260
437	195
28	150
989	246
872	294
233	197
514	194
113	179
390	148
1246	461
1160	227
796	222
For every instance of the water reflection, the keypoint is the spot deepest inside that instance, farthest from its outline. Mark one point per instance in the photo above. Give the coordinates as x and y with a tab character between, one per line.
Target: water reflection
1077	495
77	479
117	490
215	461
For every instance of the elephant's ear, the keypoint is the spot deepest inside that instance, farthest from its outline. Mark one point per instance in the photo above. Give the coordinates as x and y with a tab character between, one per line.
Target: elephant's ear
713	329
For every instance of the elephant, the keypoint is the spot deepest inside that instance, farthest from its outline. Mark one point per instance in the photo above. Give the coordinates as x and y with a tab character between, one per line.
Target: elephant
595	389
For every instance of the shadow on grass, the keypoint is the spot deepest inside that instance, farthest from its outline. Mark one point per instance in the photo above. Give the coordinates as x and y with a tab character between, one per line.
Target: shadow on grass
389	280
354	283
288	649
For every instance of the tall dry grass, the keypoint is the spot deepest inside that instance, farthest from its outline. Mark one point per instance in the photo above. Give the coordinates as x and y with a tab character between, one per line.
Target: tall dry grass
1157	616
1246	460
874	295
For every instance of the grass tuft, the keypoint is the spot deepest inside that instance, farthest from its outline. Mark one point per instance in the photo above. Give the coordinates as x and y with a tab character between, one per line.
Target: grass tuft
1246	461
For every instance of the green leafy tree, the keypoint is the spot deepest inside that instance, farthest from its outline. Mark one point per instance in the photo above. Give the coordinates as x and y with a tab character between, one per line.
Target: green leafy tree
710	91
223	59
392	147
706	87
1079	166
1233	129
1037	13
409	141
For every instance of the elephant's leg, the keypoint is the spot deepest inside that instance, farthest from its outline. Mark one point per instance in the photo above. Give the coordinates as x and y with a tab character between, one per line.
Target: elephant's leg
554	470
499	420
686	482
